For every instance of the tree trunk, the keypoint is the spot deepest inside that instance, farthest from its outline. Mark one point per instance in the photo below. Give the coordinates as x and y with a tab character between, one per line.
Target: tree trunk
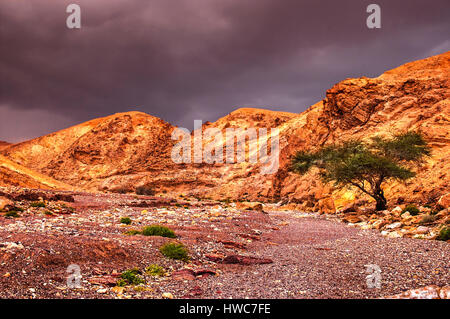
381	200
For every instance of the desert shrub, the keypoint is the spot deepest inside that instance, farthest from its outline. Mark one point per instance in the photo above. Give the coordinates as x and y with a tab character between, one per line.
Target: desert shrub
412	209
155	270
427	219
37	204
133	232
444	234
12	213
366	165
125	220
175	251
48	213
156	230
130	277
145	190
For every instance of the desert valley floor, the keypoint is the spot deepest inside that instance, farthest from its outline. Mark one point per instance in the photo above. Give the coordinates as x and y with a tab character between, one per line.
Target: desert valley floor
234	253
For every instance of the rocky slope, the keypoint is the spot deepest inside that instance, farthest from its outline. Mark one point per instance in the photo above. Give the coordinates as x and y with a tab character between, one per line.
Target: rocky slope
123	151
13	174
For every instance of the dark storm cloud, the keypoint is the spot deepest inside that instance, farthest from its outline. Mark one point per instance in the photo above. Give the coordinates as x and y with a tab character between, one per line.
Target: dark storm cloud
195	59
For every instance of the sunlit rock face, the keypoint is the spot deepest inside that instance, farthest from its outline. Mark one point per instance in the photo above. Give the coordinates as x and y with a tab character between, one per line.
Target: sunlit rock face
127	150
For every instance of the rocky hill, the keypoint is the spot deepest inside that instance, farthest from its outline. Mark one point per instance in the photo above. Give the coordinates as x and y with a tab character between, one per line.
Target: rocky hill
123	151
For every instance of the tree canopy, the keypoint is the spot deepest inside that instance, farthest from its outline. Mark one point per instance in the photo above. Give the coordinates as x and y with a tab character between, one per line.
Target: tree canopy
366	165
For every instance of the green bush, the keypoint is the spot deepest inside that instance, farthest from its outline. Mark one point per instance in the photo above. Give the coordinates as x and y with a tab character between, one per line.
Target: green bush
145	190
175	251
48	213
412	209
130	277
444	234
37	204
155	270
157	230
12	213
125	220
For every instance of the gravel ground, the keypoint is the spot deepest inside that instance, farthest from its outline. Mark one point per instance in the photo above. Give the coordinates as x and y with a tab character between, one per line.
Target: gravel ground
313	257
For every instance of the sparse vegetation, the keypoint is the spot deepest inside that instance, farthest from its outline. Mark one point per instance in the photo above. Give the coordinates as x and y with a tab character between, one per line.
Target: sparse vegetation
412	209
155	270
12	213
130	277
125	220
48	213
37	204
366	165
133	232
444	234
175	251
145	190
157	230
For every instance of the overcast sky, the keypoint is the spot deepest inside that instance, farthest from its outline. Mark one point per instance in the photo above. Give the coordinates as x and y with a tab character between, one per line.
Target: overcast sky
196	59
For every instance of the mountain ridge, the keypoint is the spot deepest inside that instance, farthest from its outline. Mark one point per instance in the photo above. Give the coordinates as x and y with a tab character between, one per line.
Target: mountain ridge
125	150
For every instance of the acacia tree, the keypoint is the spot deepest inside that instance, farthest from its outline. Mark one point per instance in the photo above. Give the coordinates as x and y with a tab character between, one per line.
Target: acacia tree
366	165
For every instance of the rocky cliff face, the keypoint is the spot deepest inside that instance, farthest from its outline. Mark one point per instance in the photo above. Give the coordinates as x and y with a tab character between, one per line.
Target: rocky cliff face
123	151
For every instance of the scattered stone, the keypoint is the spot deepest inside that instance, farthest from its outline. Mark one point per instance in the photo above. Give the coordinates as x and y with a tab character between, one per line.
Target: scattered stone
428	292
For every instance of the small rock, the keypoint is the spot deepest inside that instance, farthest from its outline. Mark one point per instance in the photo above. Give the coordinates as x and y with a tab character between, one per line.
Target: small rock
394	225
118	290
184	274
421	230
397	211
167	295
